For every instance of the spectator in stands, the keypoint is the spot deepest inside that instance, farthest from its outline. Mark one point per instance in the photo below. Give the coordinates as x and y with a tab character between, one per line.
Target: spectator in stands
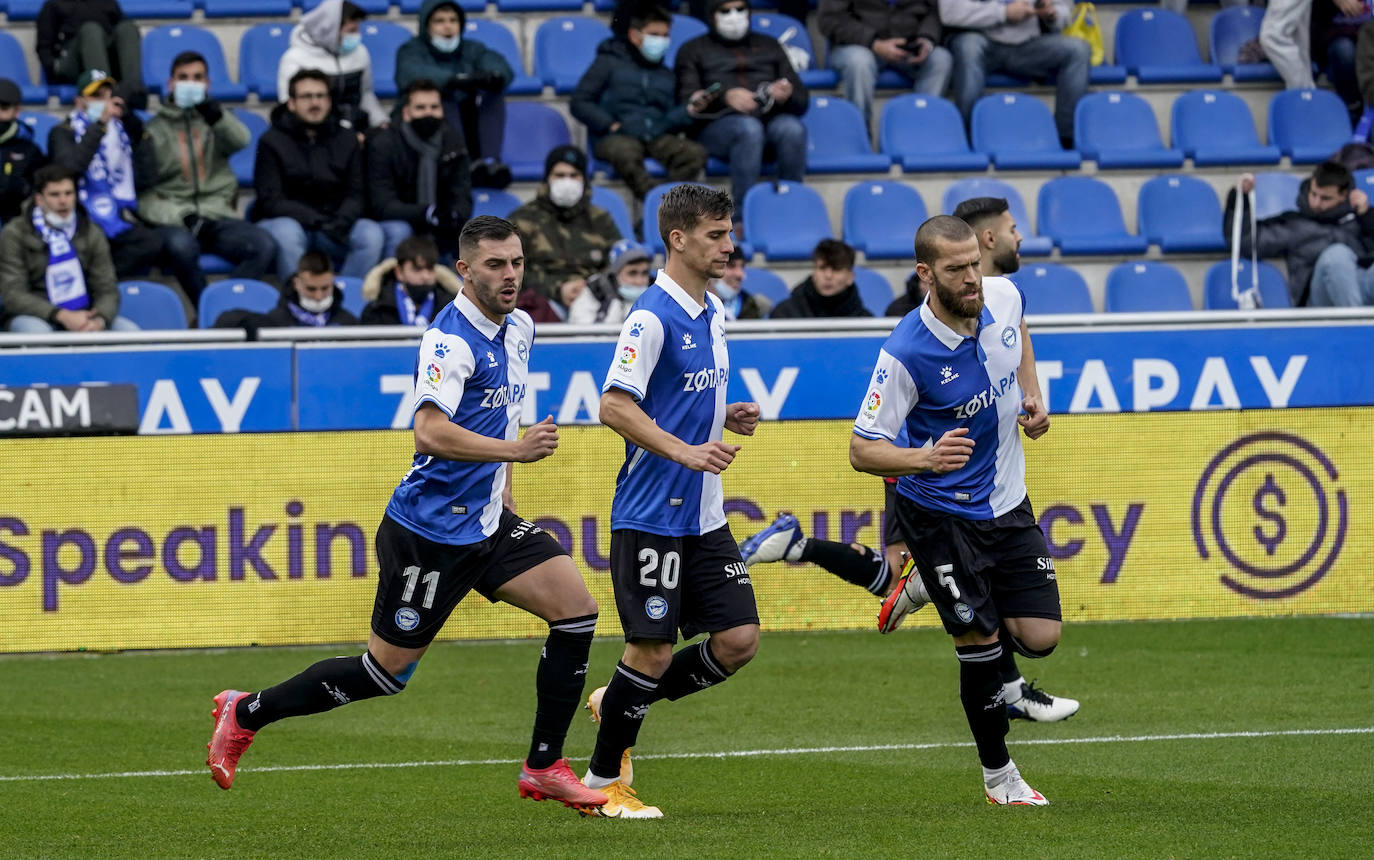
869	35
55	268
309	182
729	288
312	297
910	299
474	80
628	100
1017	38
743	87
190	139
419	173
102	143
329	39
410	289
610	294
829	290
19	154
1337	26
1327	242
77	35
566	238
1286	36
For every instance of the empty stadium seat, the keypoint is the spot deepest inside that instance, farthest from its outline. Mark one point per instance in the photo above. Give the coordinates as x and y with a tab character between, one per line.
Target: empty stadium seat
1158	46
874	290
1018	133
649	223
15	67
260	52
927	133
40	125
1053	289
161	44
247	9
383	39
1214	127
486	201
235	295
353	300
564	49
1229	29
1143	287
23	10
242	161
498	37
785	221
156	8
151	306
762	282
684	29
790	31
212	264
1032	244
1083	216
1180	214
837	139
539	5
532	129
1308	126
614	204
1273	286
1119	130
880	218
1276	193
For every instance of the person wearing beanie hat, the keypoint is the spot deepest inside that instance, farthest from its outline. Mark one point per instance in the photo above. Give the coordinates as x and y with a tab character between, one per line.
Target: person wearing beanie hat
610	295
567	239
18	152
76	35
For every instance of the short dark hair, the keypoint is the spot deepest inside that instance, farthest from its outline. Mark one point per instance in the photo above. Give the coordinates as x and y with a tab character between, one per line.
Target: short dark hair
186	58
351	12
1333	173
941	228
736	253
833	254
314	263
686	204
487	227
419	85
649	13
977	210
306	75
418	249
50	174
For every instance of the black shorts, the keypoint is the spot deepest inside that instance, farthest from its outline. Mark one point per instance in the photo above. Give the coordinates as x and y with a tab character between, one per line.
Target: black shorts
891	532
693	584
421	581
981	571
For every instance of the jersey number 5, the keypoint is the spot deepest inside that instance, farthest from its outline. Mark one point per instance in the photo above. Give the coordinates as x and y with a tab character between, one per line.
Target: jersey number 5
431	581
649	559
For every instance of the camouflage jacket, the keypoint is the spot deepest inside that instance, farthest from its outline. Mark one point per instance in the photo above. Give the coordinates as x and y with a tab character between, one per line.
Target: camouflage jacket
563	244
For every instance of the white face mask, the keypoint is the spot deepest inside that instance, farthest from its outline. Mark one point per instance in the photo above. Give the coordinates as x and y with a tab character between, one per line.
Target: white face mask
317	306
445	44
726	292
732	25
57	222
565	192
629	293
188	94
95	109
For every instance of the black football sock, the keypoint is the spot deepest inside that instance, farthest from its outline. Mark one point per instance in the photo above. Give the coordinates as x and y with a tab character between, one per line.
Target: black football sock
867	569
623	708
558	686
980	689
322	687
693	668
1006	664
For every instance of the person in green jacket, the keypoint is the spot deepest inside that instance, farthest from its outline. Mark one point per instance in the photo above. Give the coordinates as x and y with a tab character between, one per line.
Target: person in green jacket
474	79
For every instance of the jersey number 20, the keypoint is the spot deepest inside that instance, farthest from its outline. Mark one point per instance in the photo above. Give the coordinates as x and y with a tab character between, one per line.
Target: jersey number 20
649	563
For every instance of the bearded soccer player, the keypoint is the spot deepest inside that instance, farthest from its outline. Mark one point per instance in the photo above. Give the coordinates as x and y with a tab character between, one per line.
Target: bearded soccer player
958	375
450	528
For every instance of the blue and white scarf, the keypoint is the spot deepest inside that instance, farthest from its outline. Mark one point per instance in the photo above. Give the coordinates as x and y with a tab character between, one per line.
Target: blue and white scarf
410	315
308	318
65	281
108	186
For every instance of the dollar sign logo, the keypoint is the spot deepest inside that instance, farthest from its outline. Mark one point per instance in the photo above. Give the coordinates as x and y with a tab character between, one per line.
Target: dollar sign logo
1270	542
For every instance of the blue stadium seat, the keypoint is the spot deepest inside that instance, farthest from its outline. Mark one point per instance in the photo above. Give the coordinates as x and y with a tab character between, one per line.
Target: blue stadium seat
498	37
242	161
383	39
486	201
151	306
684	29
1143	287
411	7
837	139
161	44
1215	127
532	129
1158	46
880	219
1083	216
1180	214
766	283
1119	130
260	52
247	9
785	221
564	49
615	205
1273	286
211	264
1364	180
40	125
1018	133
1053	289
1308	126
15	67
1032	244
1276	193
157	8
353	300
539	5
235	295
790	31
874	290
23	10
649	223
927	133
1230	28
596	165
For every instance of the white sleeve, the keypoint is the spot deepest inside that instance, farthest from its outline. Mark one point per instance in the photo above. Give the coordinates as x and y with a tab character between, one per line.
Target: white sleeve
443	368
890	399
636	354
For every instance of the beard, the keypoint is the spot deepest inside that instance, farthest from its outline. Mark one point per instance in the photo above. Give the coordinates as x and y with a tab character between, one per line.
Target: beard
1007	261
956	303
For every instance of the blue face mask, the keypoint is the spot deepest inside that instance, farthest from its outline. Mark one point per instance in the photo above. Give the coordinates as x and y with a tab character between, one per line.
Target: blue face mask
654	48
188	94
445	44
95	110
350	43
630	294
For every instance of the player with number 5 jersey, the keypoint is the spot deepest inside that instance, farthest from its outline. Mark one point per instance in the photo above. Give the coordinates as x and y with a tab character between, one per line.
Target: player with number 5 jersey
451	528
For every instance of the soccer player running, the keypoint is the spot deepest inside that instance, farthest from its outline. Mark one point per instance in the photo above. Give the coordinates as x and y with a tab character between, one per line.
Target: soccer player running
674	564
450	527
956	373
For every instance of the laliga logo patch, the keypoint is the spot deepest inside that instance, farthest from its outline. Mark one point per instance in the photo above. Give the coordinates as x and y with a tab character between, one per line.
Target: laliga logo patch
1009	337
964	612
433	374
407	619
628	354
656	607
874	401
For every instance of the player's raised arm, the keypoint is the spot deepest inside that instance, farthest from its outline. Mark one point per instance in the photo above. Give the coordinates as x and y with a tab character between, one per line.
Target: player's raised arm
621	413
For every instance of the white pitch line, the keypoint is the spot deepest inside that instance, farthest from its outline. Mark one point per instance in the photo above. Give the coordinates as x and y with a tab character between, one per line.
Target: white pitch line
1106	739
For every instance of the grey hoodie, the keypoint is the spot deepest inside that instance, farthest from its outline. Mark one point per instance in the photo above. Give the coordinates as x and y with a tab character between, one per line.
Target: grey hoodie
990	18
315	45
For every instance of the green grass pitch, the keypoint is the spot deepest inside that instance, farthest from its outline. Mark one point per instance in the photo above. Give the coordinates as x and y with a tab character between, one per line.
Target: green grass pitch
1195	739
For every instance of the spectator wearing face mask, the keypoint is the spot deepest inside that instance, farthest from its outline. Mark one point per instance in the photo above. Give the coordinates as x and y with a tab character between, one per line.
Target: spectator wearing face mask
19	154
329	39
611	294
312	298
566	238
410	289
729	288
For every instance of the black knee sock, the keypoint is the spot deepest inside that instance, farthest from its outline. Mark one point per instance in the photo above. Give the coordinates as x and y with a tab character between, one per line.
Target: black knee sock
558	686
323	687
1006	664
693	668
980	689
867	569
623	708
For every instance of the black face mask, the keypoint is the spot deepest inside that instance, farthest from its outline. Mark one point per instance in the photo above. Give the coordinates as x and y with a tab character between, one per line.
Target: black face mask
425	127
5	127
418	292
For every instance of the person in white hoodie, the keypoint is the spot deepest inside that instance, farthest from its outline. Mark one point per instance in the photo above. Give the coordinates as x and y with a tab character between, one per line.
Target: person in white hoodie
329	38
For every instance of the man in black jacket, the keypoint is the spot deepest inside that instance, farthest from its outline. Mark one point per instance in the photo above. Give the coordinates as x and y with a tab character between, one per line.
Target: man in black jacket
419	174
868	35
76	35
628	101
829	290
411	289
19	155
743	87
309	182
312	298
